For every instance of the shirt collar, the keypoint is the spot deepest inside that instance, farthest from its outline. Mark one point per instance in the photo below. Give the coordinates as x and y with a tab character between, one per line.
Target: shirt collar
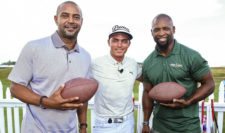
114	62
58	43
175	50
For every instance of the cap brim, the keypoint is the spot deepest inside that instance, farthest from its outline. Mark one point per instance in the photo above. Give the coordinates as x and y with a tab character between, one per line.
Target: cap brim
129	35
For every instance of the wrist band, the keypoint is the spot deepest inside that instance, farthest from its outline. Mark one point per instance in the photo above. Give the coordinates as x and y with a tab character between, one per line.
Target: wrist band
41	100
83	125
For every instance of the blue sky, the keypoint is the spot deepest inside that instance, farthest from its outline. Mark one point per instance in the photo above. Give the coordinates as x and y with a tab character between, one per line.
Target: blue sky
200	24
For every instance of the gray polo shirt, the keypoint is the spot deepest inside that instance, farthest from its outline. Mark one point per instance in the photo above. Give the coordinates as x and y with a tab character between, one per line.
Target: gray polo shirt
43	66
116	82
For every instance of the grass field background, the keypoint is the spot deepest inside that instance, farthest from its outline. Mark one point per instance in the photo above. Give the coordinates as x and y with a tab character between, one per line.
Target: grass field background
218	75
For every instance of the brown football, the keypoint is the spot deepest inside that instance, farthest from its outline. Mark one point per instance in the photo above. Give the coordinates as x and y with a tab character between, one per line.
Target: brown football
165	92
80	87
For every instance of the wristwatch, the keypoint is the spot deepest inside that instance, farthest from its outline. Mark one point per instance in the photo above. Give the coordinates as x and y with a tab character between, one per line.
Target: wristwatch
145	123
41	102
83	125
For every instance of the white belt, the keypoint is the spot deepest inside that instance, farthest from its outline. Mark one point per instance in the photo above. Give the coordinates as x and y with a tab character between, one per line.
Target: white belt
119	119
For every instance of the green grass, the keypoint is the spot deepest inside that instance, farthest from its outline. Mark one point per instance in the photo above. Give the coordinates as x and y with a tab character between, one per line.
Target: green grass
218	75
4	72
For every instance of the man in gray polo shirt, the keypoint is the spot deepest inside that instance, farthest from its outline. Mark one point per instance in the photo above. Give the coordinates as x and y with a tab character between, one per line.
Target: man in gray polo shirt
43	67
116	75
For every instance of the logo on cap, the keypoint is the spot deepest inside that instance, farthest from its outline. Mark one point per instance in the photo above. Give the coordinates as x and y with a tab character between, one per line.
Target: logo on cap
121	29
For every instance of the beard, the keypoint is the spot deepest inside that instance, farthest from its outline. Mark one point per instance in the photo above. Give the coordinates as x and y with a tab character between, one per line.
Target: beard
69	31
69	35
163	45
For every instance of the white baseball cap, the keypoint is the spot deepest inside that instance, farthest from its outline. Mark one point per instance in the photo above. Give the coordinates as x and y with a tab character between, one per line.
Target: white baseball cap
120	29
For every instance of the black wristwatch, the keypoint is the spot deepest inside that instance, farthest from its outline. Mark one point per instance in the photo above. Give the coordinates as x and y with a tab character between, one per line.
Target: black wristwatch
41	102
83	125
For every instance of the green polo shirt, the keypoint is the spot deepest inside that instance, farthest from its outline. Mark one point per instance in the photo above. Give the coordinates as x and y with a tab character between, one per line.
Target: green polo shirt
184	66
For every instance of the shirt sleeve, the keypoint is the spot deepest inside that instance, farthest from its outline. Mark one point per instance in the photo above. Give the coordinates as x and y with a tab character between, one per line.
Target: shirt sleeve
90	73
145	72
139	70
22	71
199	67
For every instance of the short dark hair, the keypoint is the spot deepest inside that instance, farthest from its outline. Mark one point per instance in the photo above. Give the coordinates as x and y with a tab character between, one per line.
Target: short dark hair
68	2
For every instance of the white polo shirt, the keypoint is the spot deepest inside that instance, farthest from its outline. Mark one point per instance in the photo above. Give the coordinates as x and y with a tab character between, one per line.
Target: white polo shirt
116	82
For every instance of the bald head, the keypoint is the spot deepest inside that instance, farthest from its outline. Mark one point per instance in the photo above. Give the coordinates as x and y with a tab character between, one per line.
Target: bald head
67	2
160	17
163	32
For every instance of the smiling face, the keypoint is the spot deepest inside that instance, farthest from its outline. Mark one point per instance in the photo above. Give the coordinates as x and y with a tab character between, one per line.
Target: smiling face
163	32
118	43
69	20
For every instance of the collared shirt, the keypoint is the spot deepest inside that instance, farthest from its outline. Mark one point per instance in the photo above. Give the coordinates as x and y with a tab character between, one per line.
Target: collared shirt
116	82
43	66
184	66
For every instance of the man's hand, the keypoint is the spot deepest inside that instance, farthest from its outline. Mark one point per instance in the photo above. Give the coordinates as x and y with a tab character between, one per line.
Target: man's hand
145	129
83	130
55	101
177	103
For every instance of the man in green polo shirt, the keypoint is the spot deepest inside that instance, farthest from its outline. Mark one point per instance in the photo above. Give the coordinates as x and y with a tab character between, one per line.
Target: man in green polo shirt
174	62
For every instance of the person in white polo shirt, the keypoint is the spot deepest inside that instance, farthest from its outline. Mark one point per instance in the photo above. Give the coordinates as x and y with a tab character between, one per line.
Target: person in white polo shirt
41	69
116	74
